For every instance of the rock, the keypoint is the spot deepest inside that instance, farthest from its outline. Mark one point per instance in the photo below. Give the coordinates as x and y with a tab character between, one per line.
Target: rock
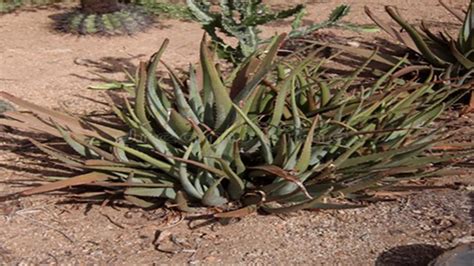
462	255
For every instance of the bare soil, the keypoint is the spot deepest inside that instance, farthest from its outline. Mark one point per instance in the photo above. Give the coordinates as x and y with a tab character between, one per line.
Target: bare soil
54	70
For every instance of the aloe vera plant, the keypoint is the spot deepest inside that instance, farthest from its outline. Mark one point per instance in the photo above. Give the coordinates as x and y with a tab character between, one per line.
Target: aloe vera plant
453	57
450	58
439	49
271	136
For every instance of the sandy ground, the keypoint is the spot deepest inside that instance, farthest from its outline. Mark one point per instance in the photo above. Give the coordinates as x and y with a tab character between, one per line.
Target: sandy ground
51	69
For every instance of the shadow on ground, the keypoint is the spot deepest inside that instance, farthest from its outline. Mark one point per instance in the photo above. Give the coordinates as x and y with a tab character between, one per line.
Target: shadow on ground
108	65
30	159
410	255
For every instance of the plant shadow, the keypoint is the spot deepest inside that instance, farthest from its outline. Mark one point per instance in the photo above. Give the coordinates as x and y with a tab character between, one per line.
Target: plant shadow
107	68
28	158
409	255
108	65
346	62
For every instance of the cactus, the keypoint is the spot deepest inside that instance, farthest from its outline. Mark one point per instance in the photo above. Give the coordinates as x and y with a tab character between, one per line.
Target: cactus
238	19
241	20
333	20
109	17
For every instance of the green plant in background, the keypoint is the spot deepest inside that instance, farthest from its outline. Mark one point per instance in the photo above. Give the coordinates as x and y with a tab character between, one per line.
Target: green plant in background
156	7
10	5
166	9
108	17
274	136
242	20
443	51
333	21
237	19
452	57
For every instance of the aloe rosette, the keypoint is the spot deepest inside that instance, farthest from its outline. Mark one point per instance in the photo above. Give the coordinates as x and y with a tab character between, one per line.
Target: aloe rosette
271	134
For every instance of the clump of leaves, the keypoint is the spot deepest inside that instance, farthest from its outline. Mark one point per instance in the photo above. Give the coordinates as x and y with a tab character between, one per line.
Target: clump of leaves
452	57
441	50
271	136
128	20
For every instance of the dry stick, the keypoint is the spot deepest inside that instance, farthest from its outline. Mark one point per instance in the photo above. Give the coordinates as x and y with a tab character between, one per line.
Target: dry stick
112	221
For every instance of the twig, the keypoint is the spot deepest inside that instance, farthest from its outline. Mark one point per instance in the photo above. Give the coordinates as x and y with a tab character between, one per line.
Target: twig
112	221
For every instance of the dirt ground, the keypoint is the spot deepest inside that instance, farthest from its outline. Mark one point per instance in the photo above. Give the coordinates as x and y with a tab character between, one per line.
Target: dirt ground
51	69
